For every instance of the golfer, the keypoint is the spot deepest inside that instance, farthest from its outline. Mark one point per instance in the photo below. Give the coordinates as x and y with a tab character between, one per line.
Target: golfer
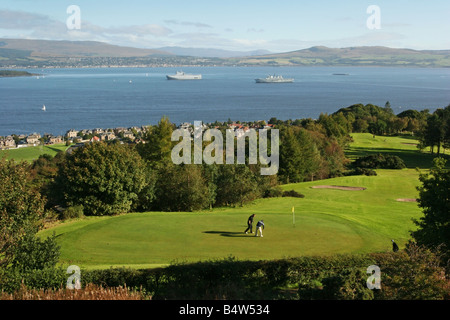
259	227
394	246
250	224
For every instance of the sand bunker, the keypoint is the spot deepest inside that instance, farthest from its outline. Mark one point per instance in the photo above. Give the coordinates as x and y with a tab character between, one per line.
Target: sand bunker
407	200
339	188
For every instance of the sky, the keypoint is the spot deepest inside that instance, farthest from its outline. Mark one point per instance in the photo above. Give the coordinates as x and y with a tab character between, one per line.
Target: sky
244	25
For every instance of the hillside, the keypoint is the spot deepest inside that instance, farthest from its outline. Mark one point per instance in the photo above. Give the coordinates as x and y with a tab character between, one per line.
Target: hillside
49	48
47	53
352	56
210	52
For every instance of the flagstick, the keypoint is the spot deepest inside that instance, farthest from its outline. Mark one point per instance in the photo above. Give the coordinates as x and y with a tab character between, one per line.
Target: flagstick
293	216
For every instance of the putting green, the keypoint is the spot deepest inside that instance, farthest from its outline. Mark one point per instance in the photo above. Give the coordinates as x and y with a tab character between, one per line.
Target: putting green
158	238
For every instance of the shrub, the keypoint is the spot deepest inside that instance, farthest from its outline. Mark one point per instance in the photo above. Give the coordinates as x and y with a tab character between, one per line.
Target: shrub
413	274
72	212
11	280
293	193
361	171
273	192
379	161
349	284
90	292
33	253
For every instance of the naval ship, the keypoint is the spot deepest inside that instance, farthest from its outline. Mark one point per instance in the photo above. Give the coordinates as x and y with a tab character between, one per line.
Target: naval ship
184	76
274	79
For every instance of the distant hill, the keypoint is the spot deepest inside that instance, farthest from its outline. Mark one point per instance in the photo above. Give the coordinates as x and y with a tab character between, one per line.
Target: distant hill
209	52
354	56
50	48
48	53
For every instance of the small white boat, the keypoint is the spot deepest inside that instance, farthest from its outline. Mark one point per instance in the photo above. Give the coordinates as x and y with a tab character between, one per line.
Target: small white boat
43	107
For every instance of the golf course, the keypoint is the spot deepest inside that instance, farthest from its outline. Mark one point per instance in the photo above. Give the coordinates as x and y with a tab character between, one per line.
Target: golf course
328	220
31	153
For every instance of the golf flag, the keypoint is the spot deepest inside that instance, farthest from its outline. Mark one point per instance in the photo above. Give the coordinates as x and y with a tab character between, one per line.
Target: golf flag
293	216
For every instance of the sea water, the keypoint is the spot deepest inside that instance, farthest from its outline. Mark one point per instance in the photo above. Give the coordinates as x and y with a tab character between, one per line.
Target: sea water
88	98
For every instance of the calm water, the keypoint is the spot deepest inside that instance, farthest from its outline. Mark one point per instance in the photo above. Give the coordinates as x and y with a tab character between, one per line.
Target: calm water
105	98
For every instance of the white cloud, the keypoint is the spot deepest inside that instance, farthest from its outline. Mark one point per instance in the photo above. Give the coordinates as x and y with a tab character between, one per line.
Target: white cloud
140	30
250	43
21	24
21	20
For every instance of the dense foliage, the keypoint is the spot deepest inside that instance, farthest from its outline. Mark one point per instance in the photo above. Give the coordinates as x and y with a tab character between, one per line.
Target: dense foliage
379	161
434	197
410	274
21	209
22	214
104	178
109	178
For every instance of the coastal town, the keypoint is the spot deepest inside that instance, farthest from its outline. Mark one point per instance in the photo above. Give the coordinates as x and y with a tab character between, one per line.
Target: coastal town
125	135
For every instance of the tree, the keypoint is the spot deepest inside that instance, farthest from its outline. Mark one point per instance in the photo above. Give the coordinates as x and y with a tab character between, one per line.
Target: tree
181	188
413	125
43	172
21	217
105	178
236	184
446	127
397	124
378	127
434	197
360	125
388	108
158	142
336	125
290	157
436	131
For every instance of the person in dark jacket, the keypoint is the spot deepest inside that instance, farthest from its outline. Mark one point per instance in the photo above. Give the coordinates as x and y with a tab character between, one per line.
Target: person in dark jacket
259	227
250	224
394	246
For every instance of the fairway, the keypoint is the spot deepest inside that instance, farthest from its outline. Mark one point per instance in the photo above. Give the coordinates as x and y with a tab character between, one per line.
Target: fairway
327	221
32	153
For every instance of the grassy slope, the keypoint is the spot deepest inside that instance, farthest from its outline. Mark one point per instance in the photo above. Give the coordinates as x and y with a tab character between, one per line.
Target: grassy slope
31	153
404	147
327	222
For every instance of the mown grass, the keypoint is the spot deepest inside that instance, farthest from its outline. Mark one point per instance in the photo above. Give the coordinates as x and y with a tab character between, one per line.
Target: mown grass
32	153
404	147
327	221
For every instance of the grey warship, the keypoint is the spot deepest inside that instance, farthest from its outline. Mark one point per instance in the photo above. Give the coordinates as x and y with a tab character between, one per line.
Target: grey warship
180	75
274	79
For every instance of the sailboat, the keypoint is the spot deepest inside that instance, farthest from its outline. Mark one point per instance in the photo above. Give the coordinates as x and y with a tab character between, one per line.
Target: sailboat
43	107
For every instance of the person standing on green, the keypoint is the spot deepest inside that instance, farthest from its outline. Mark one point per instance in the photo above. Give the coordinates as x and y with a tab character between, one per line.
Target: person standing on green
259	227
250	224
